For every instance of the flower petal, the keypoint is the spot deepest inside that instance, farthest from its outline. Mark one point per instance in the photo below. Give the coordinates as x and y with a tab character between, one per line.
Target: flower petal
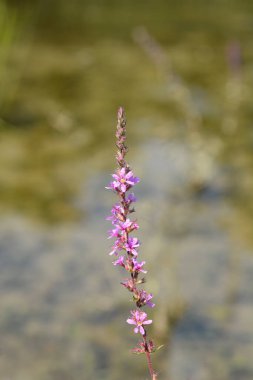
148	322
129	175
131	321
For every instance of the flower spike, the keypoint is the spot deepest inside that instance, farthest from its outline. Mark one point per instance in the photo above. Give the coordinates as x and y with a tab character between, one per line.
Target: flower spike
128	246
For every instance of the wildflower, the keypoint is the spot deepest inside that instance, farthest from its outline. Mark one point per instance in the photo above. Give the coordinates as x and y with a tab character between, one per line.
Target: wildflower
128	226
131	245
117	213
125	226
117	246
119	261
139	319
137	267
115	232
143	298
131	198
123	180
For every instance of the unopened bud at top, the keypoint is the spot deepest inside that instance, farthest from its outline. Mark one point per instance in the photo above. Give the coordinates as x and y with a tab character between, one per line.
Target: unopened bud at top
121	113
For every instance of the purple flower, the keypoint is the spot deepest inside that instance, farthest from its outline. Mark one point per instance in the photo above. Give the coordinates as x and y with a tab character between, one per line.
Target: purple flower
137	267
144	298
123	180
119	261
128	226
117	214
131	198
131	245
139	319
125	226
134	226
117	246
114	232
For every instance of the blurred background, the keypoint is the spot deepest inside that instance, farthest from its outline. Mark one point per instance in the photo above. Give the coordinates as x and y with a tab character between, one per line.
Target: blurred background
184	73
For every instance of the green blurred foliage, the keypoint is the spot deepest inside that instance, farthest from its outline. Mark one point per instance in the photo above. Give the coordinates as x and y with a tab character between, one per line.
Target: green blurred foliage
67	65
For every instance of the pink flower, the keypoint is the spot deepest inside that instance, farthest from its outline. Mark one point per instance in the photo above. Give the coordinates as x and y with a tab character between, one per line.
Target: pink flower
139	319
125	226
117	246
144	298
123	180
114	233
117	214
131	245
119	261
128	226
134	226
137	267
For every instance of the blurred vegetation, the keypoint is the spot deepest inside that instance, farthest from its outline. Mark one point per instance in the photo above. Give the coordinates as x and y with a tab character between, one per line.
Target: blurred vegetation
66	66
8	30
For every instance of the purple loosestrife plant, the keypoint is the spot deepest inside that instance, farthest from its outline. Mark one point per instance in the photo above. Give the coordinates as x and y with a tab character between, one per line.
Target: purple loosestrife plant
125	247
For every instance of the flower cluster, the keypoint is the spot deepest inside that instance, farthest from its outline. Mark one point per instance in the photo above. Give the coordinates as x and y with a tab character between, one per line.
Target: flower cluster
125	247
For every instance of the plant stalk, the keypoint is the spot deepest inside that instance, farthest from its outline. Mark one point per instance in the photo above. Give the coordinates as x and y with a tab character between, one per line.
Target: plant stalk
150	365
